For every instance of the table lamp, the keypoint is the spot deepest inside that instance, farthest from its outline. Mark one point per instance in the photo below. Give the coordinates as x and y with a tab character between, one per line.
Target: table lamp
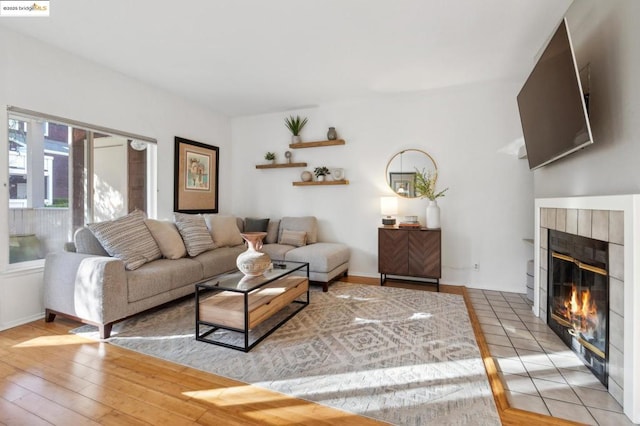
388	208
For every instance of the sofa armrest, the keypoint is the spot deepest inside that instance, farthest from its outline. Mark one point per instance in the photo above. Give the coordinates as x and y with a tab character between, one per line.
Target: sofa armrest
89	287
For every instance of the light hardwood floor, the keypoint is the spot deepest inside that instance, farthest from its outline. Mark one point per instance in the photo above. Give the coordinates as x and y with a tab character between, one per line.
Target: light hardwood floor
48	376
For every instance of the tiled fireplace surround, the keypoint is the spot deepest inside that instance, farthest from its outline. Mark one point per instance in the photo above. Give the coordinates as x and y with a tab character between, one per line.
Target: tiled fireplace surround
613	219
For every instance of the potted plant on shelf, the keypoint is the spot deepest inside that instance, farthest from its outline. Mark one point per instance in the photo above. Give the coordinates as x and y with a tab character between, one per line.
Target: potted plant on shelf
321	172
425	187
270	156
295	125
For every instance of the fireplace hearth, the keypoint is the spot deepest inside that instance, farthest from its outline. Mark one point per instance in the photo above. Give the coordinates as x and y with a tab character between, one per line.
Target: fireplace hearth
578	302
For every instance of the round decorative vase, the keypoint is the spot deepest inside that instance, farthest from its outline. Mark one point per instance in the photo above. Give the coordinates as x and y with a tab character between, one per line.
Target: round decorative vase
253	262
306	176
331	134
296	139
433	215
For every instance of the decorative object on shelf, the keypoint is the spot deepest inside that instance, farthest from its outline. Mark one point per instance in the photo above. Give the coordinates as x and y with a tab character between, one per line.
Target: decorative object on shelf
321	173
253	262
425	185
388	208
270	156
195	177
338	174
332	134
287	155
295	125
306	176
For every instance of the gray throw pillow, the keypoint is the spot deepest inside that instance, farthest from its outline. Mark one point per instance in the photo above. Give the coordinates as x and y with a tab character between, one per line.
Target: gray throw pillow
194	232
252	224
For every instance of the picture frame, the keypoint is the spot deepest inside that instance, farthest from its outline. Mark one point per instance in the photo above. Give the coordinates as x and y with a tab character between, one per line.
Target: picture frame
403	184
195	177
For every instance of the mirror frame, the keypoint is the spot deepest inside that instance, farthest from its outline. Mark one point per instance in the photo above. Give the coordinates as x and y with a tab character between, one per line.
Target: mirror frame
388	179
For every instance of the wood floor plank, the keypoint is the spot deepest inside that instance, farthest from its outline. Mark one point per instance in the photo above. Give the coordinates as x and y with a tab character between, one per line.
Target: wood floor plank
52	412
65	398
134	407
11	414
68	381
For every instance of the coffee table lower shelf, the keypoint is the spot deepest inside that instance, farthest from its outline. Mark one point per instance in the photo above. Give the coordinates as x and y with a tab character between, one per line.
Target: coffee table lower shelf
242	312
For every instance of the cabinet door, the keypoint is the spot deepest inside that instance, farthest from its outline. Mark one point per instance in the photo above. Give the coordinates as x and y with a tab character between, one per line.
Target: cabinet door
392	251
424	254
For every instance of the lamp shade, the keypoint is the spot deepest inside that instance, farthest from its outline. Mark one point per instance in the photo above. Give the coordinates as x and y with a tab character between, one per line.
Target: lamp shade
389	206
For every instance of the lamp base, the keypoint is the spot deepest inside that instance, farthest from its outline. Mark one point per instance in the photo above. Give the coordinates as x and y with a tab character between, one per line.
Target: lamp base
388	221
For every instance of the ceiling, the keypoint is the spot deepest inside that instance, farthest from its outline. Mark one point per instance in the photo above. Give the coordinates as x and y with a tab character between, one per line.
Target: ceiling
244	57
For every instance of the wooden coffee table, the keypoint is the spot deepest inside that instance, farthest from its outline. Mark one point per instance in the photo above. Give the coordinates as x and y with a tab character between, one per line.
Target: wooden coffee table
240	303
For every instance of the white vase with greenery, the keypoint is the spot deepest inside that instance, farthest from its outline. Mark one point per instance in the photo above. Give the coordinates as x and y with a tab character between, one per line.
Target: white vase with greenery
425	186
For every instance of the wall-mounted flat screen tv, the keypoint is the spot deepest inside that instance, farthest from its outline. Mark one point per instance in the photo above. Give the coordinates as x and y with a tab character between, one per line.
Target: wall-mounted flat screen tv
552	104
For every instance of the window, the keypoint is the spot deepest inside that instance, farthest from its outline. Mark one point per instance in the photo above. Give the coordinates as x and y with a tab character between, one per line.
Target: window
64	174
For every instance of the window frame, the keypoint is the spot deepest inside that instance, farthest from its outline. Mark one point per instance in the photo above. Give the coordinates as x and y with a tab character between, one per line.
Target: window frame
12	111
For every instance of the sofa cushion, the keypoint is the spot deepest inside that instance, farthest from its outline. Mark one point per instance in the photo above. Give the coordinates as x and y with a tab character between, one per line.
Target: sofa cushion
160	276
224	230
293	238
220	260
322	257
272	232
308	224
128	239
194	232
252	224
168	238
276	251
87	243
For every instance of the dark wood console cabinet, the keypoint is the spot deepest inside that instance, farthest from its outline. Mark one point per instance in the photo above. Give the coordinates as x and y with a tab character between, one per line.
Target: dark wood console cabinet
414	253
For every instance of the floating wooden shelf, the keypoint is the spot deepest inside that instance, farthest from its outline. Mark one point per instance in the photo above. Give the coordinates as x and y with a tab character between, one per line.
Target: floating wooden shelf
280	166
316	144
326	182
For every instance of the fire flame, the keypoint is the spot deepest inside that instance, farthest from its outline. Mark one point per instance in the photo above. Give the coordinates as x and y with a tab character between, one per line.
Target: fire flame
582	311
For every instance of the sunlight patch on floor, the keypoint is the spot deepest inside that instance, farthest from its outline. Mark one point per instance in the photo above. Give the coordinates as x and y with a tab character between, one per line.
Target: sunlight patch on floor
58	340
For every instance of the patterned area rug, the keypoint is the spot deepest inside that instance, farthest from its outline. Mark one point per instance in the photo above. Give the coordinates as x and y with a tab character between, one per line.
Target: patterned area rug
402	356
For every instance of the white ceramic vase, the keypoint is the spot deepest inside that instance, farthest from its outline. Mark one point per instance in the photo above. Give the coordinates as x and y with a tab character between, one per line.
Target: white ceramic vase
253	262
433	215
321	178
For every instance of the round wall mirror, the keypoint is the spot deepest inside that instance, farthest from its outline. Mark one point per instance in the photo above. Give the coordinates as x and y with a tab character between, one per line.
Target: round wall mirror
402	168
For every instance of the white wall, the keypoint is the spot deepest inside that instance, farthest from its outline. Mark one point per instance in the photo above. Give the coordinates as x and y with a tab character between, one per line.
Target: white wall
486	213
605	35
41	78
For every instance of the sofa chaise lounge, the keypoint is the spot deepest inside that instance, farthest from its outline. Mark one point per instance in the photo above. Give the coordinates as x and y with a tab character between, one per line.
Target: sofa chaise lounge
92	281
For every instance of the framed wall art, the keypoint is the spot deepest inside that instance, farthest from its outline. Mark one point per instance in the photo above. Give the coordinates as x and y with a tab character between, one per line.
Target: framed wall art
195	177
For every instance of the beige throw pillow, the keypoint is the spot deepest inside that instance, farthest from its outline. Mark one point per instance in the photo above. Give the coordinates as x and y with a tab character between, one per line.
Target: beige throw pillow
194	232
128	239
224	230
293	238
272	232
168	238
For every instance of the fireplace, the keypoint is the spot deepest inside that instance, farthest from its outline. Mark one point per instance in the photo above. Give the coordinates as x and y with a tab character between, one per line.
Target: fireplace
578	297
614	219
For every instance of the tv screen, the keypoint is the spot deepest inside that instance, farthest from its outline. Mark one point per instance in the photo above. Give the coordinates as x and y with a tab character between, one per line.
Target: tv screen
552	105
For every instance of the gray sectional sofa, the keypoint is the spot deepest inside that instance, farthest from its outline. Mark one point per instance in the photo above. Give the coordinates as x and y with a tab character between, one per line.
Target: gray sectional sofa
86	283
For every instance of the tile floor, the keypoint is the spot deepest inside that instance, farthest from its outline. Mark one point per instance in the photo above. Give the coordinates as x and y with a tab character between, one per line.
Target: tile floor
539	373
